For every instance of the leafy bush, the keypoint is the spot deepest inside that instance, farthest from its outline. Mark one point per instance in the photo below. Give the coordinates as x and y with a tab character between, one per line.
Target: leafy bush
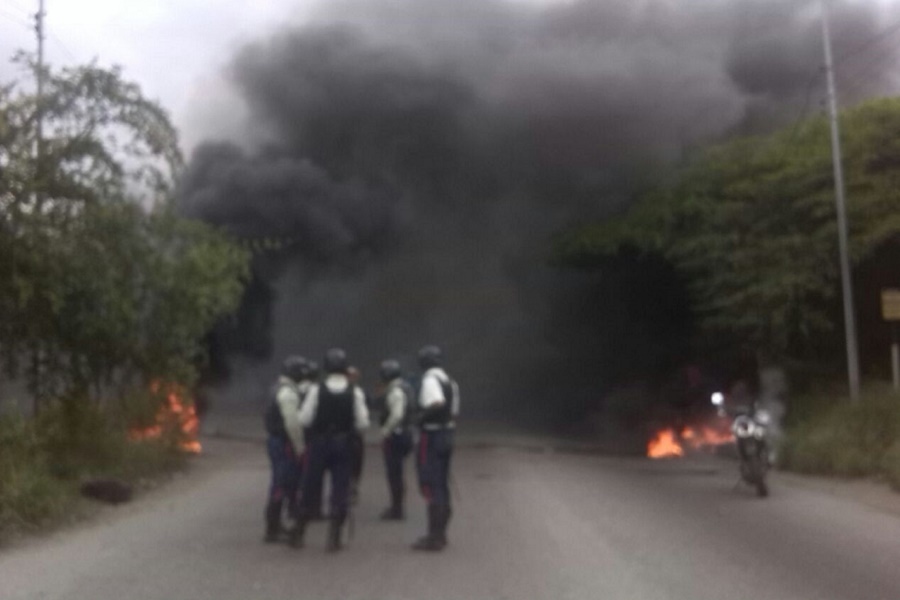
848	440
44	461
29	493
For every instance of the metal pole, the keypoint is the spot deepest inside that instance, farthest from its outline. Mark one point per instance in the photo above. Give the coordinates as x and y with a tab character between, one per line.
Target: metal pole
39	102
846	283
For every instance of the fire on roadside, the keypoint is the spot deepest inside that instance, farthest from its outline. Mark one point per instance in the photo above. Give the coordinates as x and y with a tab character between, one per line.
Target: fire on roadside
175	417
666	443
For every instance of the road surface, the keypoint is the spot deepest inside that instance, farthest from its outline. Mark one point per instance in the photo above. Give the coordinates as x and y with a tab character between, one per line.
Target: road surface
530	523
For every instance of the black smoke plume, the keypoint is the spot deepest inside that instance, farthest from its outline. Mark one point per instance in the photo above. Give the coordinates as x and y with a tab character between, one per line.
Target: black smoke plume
418	154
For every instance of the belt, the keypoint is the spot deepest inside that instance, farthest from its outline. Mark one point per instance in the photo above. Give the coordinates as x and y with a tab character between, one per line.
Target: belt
438	426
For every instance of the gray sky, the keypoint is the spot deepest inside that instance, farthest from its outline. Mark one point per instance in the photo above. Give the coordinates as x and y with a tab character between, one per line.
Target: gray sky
175	49
172	48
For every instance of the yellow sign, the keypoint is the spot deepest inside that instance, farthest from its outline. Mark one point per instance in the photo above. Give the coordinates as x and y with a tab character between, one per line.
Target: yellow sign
890	305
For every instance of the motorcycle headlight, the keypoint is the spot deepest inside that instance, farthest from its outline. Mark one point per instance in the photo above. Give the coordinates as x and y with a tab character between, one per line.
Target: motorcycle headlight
763	417
718	399
743	426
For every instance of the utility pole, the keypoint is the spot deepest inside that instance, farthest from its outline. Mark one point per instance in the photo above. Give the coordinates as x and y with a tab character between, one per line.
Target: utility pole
39	31
846	282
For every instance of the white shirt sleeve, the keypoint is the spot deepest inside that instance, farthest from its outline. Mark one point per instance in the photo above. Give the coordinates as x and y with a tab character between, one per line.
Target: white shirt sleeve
431	393
360	411
310	405
396	405
289	404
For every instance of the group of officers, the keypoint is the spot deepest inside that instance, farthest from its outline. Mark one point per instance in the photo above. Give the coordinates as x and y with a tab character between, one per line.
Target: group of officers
315	424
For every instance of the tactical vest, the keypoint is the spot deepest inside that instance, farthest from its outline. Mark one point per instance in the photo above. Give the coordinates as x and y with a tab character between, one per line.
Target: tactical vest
441	416
407	404
334	413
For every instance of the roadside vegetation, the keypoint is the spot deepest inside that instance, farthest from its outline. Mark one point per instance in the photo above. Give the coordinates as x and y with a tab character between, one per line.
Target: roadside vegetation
829	436
105	292
749	229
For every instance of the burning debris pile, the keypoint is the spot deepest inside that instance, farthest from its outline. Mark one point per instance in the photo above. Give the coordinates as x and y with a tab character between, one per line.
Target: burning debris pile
670	443
176	419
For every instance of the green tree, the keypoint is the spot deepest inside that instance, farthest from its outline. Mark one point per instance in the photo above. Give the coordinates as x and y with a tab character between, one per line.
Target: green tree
98	291
751	226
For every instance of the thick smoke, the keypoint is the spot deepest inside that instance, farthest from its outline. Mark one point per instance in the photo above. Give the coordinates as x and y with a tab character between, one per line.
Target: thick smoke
418	154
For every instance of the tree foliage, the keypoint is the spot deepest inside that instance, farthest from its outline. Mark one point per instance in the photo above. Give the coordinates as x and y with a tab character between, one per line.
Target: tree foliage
751	226
97	290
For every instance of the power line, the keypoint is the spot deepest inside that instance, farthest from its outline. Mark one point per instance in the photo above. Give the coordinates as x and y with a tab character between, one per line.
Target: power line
14	17
861	76
865	45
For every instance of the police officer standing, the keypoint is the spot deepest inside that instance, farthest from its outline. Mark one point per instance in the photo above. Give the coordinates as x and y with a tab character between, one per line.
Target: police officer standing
284	444
333	411
396	434
439	406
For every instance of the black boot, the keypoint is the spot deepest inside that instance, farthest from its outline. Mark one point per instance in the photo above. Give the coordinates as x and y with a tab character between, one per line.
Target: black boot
296	534
334	533
443	519
273	522
431	542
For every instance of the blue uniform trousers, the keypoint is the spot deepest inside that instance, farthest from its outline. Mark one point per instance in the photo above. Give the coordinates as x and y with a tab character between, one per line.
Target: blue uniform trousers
433	461
395	448
286	476
329	453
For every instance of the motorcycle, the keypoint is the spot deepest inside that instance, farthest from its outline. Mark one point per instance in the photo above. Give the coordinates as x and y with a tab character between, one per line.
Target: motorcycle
751	433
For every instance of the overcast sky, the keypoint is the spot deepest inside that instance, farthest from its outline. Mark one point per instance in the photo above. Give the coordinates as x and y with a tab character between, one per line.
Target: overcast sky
175	49
171	47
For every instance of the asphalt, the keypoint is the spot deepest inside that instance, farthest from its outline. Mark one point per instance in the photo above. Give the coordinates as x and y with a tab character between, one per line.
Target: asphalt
532	521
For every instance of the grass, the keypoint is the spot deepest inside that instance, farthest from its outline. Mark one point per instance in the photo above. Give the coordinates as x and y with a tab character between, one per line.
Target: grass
44	461
844	439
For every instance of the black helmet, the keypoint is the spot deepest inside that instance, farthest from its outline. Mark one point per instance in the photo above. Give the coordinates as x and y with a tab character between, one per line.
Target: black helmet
390	370
314	370
336	361
295	367
429	356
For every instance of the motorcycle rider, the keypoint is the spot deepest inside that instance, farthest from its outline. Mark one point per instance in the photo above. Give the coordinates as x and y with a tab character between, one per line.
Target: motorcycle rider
396	435
284	444
333	410
439	405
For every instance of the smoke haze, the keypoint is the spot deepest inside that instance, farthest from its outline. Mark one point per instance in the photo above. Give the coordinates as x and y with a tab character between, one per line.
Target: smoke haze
418	155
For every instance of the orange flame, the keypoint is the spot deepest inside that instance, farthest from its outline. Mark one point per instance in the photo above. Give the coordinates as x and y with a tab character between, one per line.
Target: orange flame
174	416
664	445
667	443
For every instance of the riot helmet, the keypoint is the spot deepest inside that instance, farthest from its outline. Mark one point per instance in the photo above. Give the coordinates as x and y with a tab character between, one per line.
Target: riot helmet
430	357
295	367
390	370
336	361
314	371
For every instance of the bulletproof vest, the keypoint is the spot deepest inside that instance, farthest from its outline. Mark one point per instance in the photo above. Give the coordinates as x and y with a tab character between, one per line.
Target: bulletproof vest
273	419
334	413
442	415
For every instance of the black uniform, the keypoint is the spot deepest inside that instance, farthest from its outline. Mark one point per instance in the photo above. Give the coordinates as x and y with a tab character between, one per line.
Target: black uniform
334	411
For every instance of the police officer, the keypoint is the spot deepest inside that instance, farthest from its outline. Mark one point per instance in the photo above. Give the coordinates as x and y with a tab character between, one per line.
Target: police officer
284	444
439	406
395	433
333	411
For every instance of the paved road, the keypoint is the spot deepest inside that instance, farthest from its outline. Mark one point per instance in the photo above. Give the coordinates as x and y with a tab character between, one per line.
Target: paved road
530	524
